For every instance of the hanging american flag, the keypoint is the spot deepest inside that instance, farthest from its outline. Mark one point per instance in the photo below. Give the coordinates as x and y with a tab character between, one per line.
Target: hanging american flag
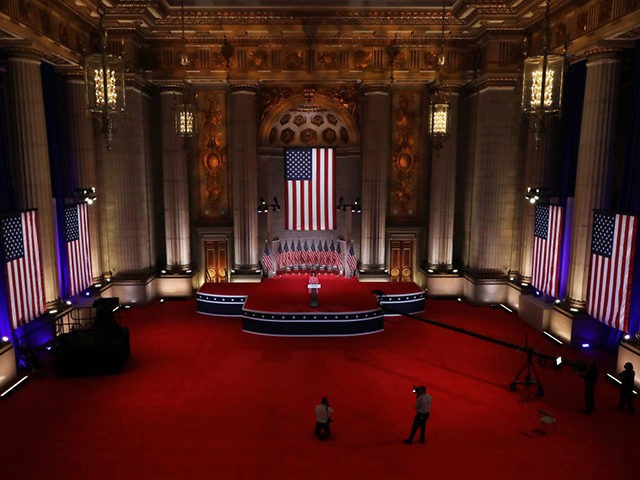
76	231
547	237
611	268
23	267
352	262
267	263
309	189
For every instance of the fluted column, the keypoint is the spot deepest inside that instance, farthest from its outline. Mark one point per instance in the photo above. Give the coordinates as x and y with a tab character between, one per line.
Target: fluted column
376	151
443	194
594	181
176	186
82	160
126	234
536	175
495	180
244	162
29	162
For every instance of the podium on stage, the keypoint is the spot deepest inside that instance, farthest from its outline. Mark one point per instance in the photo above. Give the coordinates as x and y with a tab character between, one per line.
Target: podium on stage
313	287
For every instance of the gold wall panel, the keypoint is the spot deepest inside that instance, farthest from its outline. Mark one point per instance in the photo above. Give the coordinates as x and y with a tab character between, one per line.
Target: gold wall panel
213	161
406	156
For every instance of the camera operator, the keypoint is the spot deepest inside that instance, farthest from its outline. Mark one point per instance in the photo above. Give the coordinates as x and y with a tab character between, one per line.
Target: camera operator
423	411
589	373
323	419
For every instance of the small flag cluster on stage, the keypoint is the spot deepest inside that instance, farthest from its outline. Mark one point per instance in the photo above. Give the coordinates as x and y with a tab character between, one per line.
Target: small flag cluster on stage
76	230
310	189
310	255
267	262
547	238
611	268
23	267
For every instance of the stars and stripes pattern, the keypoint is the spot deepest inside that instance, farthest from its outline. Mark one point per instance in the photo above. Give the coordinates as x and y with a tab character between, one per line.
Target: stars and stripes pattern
547	238
76	230
611	267
352	262
23	267
267	262
310	189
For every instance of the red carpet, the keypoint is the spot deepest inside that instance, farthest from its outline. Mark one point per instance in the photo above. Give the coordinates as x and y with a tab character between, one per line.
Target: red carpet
199	399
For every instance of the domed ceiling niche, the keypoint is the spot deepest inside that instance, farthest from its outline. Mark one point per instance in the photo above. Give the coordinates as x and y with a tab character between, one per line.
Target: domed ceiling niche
308	119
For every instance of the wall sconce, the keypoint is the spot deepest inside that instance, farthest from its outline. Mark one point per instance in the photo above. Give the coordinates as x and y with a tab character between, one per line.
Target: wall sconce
264	207
356	207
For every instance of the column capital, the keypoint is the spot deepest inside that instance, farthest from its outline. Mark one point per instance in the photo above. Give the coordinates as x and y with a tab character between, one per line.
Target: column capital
376	88
243	87
604	54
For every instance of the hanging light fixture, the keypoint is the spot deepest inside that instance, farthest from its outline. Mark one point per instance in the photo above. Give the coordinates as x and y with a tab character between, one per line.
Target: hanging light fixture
185	112
542	81
439	106
104	82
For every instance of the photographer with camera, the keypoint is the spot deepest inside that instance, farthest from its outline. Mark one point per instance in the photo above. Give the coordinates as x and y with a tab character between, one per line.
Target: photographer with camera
323	419
423	411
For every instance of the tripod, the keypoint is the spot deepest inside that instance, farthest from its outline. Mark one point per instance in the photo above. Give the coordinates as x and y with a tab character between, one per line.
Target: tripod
529	379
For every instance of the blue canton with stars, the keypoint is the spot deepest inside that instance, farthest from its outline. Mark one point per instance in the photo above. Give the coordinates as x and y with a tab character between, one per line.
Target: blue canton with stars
71	226
12	238
603	228
541	228
298	164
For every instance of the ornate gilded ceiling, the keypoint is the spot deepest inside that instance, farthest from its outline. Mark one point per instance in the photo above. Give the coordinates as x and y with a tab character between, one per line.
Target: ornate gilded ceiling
302	40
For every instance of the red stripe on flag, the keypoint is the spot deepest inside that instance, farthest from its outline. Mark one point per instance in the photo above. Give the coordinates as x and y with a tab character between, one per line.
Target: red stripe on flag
609	289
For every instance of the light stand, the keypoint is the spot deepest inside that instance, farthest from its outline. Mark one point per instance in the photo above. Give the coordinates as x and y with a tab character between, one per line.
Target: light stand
264	207
355	207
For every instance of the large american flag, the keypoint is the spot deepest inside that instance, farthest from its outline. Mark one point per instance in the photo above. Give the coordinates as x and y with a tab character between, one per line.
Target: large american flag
611	268
310	189
76	232
23	267
547	236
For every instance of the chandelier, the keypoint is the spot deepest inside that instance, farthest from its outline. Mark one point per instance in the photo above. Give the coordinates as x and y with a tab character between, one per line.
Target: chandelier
439	106
186	112
542	82
104	83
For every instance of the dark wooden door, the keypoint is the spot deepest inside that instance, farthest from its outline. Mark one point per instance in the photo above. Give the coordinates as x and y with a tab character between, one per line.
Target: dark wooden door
401	267
216	255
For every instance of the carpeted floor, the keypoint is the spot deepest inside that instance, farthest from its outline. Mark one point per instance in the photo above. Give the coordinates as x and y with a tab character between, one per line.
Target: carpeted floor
199	399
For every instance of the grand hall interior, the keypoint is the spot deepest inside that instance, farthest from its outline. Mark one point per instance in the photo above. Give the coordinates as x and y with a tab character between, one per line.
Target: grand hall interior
215	213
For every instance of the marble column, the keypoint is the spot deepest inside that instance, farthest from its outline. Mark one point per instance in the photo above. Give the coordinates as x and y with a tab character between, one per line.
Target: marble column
126	202
442	195
594	176
244	188
82	160
29	161
376	151
495	181
176	186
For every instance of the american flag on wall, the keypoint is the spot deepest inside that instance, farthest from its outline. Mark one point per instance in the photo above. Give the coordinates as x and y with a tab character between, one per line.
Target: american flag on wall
23	267
76	232
611	268
547	238
310	189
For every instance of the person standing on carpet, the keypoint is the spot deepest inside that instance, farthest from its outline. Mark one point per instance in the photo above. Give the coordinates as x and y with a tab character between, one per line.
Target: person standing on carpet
323	419
627	378
423	411
590	377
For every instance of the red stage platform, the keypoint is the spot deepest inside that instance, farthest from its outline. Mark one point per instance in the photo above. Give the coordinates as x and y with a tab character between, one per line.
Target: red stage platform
280	305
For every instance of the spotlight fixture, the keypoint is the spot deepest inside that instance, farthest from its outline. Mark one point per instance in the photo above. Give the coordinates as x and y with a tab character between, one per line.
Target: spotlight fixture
264	207
86	194
534	194
355	207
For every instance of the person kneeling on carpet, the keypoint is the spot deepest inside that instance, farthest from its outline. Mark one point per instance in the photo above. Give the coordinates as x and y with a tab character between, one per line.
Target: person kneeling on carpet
323	419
